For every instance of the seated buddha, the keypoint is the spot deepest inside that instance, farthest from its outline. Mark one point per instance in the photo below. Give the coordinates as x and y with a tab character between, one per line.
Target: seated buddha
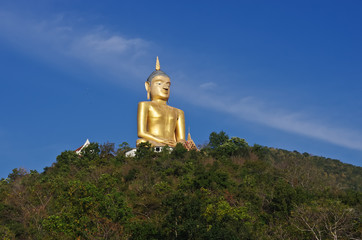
157	122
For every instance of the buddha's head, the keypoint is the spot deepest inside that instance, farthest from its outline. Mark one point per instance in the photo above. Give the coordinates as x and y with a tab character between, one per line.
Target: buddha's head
158	84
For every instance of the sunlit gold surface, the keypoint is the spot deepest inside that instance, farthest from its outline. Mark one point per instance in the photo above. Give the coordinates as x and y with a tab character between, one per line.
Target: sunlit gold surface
158	67
159	123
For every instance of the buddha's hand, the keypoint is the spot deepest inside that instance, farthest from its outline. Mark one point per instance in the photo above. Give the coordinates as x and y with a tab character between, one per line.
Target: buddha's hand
170	143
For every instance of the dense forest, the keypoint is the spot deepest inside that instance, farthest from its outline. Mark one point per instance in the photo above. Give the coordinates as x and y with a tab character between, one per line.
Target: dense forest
227	190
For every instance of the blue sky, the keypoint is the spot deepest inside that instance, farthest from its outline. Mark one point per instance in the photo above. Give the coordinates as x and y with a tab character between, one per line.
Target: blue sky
285	74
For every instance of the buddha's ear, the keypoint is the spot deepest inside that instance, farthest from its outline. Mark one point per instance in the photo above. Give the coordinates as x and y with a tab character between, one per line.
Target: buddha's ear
147	86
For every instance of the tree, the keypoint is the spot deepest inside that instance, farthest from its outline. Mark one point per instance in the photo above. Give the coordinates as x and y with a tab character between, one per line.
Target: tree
217	139
179	151
144	151
17	173
327	219
91	151
123	148
107	150
233	147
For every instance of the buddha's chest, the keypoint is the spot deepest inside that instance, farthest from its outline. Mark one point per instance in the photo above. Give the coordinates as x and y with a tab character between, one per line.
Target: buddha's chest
162	113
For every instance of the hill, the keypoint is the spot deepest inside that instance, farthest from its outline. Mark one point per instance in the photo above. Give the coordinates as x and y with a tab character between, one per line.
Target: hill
228	190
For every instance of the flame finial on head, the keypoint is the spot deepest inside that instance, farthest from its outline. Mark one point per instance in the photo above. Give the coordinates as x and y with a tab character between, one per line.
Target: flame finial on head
158	67
157	72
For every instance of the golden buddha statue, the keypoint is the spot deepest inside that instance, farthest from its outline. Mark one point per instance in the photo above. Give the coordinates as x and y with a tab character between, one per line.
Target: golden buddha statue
158	123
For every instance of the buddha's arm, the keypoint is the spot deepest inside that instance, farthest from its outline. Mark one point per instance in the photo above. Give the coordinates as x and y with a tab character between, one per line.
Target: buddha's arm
142	116
180	127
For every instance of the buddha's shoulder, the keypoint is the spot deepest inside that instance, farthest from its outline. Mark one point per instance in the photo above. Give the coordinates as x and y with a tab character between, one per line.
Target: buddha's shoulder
144	103
179	111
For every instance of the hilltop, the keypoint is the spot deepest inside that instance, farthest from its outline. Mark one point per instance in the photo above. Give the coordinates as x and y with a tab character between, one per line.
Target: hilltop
227	190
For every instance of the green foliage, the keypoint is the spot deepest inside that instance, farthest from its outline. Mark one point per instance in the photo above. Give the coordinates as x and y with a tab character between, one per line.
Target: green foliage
65	159
123	148
91	152
144	151
217	139
6	233
221	146
131	174
82	208
17	173
179	151
145	230
233	147
228	190
213	178
107	150
260	151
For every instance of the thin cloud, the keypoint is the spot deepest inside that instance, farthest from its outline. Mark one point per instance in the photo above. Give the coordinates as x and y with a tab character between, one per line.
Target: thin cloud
208	85
57	41
250	109
109	45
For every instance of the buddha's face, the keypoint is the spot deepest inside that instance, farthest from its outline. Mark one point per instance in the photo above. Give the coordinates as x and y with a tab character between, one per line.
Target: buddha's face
160	88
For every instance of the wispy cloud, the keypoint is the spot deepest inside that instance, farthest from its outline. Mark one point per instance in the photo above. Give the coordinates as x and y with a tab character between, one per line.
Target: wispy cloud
58	41
208	85
254	110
